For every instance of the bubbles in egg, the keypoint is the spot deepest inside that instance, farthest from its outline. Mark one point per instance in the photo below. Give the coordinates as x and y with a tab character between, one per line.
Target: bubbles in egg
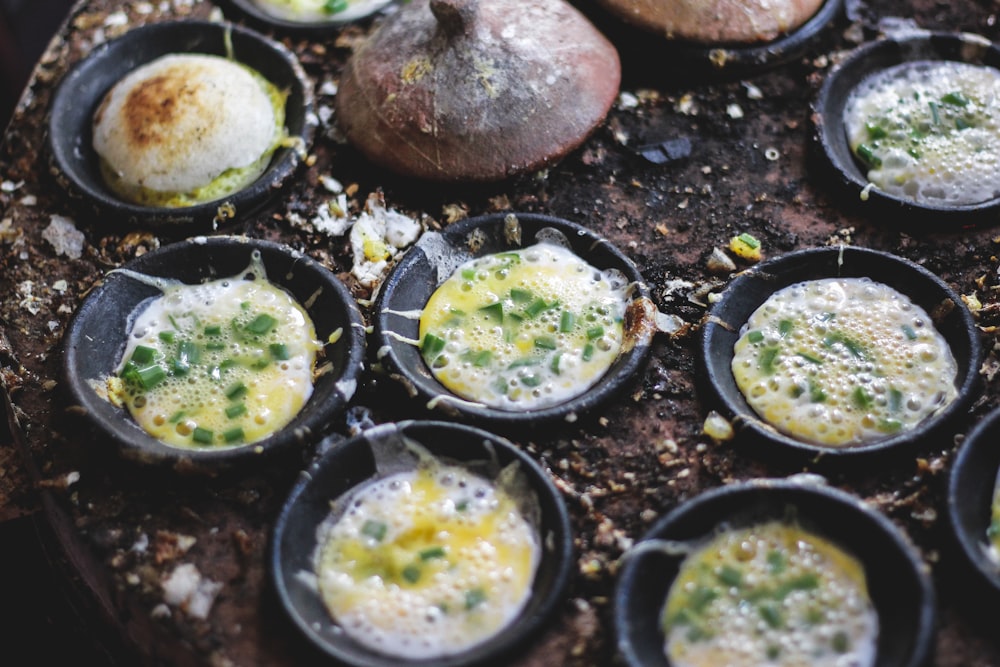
524	329
843	361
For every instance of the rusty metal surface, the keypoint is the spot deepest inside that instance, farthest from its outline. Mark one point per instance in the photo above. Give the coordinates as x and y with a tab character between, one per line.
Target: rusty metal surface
751	169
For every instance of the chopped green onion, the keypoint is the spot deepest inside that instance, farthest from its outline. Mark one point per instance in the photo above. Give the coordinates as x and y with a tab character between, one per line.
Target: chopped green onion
188	352
554	365
202	435
261	324
234	411
785	327
411	573
335	6
494	311
889	425
215	346
236	390
841	643
432	552
474	598
810	358
233	435
545	343
143	356
595	332
567	321
955	98
279	351
771	614
749	240
935	115
374	529
523	361
461	505
767	358
521	295
260	364
588	352
176	417
213	330
909	332
166	336
866	153
479	358
535	307
730	576
755	336
876	132
531	380
861	397
432	345
701	597
776	562
895	400
468	274
962	124
151	376
816	394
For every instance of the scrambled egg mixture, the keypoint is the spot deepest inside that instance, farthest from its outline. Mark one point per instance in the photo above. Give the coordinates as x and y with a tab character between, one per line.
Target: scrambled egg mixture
770	594
219	364
843	361
524	329
929	132
428	562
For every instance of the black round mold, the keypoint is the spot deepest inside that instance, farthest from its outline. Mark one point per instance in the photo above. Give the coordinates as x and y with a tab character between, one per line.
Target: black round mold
350	464
95	341
750	289
846	172
899	583
261	17
971	485
411	283
70	131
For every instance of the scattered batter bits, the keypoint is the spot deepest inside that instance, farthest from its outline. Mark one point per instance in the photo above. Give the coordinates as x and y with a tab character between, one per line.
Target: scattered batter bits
843	361
429	562
929	131
769	594
524	329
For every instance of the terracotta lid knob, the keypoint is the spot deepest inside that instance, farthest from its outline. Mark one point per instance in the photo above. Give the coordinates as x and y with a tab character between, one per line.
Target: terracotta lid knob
462	90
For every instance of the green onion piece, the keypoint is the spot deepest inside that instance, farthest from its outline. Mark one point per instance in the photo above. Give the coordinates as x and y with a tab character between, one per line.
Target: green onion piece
523	361
279	351
890	425
866	153
432	552
531	380
785	327
876	132
749	240
521	295
816	394
461	505
143	356
260	364
479	358
841	643
895	400
861	397
566	322
151	376
166	336
852	347
545	343
213	330
773	652
535	307
474	598
235	410
261	324
810	358
914	153
374	529
432	345
335	6
827	316
244	305
202	435
955	98
701	597
962	124
554	364
595	332
909	332
173	322
935	115
755	336
227	364
771	614
468	274
188	352
729	576
233	435
767	358
776	562
588	352
215	346
236	390
411	573
494	311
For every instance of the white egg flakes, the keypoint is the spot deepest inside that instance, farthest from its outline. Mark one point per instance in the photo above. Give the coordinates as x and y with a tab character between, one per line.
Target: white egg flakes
929	131
220	364
770	594
843	361
427	563
524	329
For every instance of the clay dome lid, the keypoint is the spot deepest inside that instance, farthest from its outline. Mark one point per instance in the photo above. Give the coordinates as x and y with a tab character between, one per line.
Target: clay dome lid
462	90
716	21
